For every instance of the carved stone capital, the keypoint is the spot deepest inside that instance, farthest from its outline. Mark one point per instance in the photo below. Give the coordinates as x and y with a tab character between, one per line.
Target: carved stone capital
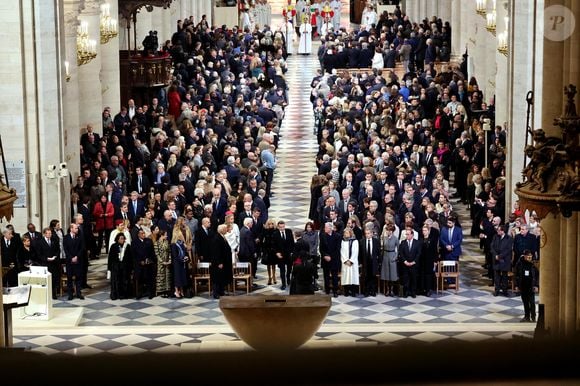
92	7
71	23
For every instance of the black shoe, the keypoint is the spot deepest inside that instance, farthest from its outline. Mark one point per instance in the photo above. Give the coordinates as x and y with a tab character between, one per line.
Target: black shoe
70	297
524	320
81	297
216	296
413	296
283	287
113	298
428	293
335	295
533	319
151	296
54	297
86	286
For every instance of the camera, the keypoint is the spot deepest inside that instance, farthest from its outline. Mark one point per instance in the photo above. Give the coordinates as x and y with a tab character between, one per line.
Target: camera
51	171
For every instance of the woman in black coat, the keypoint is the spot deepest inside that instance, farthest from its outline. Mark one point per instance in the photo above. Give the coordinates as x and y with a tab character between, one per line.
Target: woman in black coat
428	259
119	267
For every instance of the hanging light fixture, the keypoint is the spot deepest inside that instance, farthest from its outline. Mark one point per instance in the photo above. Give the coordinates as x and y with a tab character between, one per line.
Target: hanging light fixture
108	25
86	48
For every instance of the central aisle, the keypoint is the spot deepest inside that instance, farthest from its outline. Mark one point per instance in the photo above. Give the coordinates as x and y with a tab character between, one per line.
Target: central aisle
297	150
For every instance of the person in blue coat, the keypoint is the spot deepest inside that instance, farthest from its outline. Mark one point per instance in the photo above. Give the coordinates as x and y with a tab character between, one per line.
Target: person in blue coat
451	238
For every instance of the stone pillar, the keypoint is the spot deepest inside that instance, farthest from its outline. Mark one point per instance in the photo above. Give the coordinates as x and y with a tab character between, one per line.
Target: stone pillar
110	71
569	274
89	74
553	79
457	44
70	89
444	11
550	271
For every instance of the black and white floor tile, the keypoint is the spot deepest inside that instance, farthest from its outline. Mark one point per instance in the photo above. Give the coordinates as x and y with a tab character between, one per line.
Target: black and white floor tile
163	325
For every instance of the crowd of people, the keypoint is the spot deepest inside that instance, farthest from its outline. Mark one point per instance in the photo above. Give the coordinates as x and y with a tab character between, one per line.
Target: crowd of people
393	149
187	177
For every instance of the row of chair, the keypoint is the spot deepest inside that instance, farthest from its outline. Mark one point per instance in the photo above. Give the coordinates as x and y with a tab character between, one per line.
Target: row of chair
242	274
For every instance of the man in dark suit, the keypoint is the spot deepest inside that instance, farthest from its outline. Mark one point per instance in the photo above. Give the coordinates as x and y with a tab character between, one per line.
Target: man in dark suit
136	208
87	228
48	252
330	252
501	254
203	237
144	259
9	250
409	253
369	256
79	220
141	183
73	246
247	249
33	233
284	247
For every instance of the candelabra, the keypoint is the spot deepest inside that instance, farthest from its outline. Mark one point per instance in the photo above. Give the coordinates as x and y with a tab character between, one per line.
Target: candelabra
108	25
480	7
503	39
490	25
86	48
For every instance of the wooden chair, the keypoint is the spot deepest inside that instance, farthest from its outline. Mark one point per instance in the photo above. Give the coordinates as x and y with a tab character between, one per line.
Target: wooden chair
242	274
202	275
64	279
447	269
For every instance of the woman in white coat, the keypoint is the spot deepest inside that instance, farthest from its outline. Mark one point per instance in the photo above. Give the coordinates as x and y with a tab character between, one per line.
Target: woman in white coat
349	276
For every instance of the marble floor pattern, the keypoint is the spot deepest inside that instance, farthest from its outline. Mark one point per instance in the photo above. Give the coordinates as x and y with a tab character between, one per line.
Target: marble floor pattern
169	325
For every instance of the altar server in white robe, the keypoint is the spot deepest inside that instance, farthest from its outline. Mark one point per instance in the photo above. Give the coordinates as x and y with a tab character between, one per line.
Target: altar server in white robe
305	46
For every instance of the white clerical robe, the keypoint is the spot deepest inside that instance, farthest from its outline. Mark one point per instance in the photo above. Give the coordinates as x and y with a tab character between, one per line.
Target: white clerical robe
289	37
305	46
336	7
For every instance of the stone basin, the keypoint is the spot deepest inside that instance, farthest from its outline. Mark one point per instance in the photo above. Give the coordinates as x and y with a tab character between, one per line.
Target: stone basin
275	322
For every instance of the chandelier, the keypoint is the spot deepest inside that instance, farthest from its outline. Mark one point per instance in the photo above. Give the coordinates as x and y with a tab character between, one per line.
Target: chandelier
86	48
108	26
502	39
480	7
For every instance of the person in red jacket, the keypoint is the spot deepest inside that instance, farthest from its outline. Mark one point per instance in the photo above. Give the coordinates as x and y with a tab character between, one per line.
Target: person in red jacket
103	214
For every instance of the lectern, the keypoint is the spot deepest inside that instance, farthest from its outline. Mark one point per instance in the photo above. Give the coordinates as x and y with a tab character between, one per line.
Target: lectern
14	297
40	305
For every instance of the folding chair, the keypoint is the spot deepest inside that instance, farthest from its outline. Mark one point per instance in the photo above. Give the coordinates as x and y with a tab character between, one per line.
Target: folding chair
202	275
447	269
242	274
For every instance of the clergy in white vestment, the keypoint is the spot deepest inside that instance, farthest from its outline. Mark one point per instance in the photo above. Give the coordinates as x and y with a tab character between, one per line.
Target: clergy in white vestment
336	7
305	46
289	38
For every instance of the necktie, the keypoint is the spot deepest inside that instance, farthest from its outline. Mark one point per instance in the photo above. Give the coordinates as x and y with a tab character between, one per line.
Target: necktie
135	206
283	235
139	184
7	243
450	233
48	242
124	216
369	247
410	244
173	214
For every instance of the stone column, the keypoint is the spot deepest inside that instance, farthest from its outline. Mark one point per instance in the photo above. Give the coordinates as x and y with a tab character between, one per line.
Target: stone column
550	271
457	48
520	80
444	11
110	71
89	74
569	274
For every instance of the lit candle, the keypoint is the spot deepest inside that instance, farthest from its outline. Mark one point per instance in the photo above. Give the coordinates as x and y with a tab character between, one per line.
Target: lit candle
114	25
66	68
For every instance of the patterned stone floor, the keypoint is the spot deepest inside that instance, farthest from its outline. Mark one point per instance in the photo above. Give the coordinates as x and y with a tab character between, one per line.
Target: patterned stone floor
164	325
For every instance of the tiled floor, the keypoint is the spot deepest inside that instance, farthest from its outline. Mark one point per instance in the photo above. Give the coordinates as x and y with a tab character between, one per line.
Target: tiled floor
162	325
